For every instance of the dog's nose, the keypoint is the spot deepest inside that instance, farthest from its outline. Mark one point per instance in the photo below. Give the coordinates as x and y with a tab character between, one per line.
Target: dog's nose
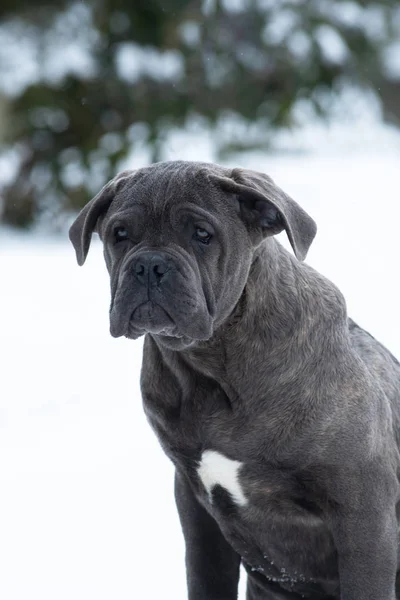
150	268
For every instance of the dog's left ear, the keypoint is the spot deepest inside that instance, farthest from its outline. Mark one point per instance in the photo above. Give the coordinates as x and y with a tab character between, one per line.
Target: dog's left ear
263	205
81	230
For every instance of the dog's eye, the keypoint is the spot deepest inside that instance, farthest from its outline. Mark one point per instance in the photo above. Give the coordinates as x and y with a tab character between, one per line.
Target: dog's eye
202	235
120	234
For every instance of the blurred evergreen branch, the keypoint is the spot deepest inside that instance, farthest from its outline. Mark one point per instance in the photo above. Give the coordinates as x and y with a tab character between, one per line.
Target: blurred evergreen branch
151	65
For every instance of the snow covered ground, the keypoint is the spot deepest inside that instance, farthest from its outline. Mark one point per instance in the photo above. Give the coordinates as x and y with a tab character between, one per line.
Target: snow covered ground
86	494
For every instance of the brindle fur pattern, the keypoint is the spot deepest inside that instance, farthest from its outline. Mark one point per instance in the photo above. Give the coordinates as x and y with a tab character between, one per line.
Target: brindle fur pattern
249	352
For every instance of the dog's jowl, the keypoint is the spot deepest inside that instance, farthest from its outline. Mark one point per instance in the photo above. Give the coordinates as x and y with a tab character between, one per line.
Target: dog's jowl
280	414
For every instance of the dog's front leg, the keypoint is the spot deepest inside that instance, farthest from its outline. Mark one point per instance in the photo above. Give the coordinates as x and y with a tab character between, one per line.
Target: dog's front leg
212	566
364	529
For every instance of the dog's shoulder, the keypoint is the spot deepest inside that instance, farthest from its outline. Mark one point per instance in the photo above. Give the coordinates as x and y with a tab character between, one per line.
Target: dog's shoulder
380	362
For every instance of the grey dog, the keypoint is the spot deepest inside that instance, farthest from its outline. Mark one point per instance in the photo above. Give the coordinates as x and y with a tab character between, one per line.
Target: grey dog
280	414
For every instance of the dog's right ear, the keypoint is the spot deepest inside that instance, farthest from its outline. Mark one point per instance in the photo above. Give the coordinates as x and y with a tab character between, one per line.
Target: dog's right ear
81	230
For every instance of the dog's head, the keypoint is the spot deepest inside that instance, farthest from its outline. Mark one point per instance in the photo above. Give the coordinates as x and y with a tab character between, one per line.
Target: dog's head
179	239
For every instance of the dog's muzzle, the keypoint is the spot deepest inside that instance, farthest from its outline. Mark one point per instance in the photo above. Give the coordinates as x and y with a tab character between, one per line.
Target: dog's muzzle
157	292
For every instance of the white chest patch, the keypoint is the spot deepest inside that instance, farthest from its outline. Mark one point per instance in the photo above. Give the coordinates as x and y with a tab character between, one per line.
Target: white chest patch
217	469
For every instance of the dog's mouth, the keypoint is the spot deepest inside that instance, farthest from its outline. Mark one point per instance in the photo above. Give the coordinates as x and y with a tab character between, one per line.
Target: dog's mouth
151	318
148	317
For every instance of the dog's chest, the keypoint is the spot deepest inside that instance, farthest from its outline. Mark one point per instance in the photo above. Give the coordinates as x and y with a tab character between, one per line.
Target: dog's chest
251	490
266	518
262	509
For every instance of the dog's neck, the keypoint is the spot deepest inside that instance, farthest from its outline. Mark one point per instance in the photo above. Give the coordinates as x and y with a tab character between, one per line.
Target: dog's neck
283	309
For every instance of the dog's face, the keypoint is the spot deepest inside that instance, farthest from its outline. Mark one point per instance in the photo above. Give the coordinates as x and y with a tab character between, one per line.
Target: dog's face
179	239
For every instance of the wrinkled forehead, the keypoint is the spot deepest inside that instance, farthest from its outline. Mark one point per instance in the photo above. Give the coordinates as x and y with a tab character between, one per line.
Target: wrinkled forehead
165	187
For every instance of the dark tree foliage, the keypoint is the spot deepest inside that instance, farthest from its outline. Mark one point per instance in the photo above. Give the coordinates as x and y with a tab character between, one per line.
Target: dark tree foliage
155	64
